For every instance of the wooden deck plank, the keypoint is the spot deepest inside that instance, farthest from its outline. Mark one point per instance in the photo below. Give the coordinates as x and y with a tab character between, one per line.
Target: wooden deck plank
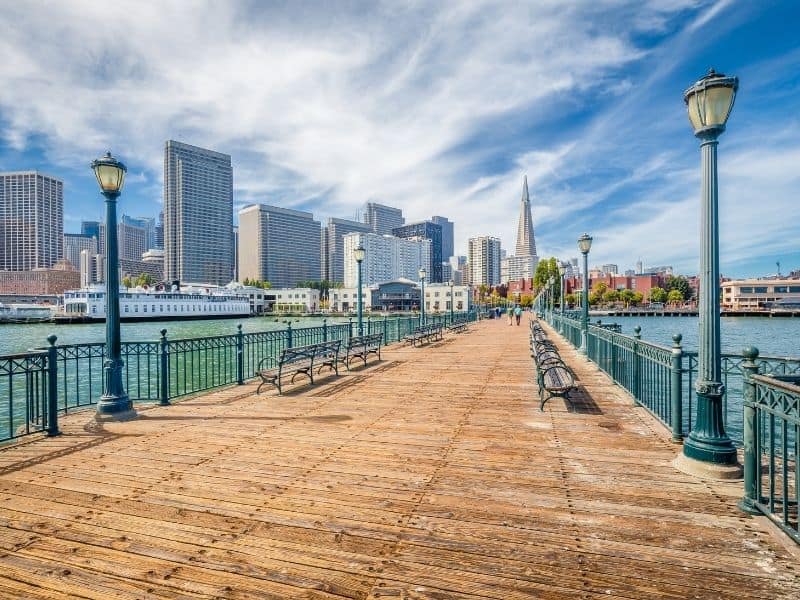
430	475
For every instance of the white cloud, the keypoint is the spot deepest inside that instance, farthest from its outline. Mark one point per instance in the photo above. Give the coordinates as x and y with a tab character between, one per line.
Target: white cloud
389	102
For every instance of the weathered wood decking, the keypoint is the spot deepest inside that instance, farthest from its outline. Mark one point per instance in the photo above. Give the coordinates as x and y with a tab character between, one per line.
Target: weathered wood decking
429	475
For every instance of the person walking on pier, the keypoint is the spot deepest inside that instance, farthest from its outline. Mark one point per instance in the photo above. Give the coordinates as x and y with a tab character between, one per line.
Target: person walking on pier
510	315
517	313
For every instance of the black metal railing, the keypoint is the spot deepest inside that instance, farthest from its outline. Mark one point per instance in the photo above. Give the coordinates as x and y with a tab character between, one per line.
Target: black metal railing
37	385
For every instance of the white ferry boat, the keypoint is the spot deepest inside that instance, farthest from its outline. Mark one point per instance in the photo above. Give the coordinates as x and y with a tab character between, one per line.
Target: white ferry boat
25	313
141	304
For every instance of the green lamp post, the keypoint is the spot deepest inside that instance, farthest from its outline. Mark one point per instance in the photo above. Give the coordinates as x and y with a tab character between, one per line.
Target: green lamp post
422	273
360	254
115	402
709	102
452	300
562	269
584	245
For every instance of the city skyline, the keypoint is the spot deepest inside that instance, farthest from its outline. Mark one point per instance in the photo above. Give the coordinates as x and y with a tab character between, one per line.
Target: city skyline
460	112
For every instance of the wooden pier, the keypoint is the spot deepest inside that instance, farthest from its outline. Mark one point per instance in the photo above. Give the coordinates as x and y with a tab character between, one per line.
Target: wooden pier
431	474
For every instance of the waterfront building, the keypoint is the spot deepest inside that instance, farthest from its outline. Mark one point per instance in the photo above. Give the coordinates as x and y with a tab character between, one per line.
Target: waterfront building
291	300
760	294
39	282
386	258
430	231
639	267
382	219
279	245
437	298
74	244
91	229
198	214
484	260
448	238
332	246
31	221
664	270
400	295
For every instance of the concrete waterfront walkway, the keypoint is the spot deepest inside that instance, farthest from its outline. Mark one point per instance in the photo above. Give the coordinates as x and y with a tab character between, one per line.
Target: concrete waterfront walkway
432	474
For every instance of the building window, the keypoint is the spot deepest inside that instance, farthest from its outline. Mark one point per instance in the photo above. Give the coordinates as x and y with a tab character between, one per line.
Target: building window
761	290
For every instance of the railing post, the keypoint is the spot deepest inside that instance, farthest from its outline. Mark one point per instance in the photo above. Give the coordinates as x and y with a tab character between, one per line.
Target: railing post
613	359
350	325
637	379
677	389
369	325
163	368
52	388
385	330
239	355
750	440
325	330
290	342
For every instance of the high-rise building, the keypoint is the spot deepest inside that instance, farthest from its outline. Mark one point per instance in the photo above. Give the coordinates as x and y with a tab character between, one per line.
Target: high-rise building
74	244
448	240
198	214
526	244
146	223
386	258
484	260
638	266
429	231
92	268
382	219
332	258
447	272
131	241
279	245
158	232
31	221
235	253
91	229
514	268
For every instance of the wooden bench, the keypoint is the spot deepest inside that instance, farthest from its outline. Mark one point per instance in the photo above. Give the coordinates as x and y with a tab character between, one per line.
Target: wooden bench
424	333
301	360
555	379
361	347
459	327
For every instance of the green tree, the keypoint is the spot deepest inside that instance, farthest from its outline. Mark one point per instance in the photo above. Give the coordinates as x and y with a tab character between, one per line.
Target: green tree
657	294
626	296
145	279
595	298
675	297
526	300
571	299
126	282
638	298
679	283
610	296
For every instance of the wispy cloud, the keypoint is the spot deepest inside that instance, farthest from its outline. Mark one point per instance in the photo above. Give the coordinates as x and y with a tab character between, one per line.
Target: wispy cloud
433	107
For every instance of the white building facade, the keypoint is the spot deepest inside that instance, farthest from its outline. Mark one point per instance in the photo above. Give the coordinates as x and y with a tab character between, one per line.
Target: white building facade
514	268
387	258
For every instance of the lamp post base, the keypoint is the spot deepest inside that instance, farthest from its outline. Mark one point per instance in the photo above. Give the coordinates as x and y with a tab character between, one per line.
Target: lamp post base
116	408
707	470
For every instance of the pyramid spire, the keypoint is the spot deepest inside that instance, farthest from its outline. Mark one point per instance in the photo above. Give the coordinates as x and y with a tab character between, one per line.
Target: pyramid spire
526	244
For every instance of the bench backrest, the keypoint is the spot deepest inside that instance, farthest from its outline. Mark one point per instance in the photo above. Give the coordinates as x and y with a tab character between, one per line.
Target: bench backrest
369	341
297	354
327	349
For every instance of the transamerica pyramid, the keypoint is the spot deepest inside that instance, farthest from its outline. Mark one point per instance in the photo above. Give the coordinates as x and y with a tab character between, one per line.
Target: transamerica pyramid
526	244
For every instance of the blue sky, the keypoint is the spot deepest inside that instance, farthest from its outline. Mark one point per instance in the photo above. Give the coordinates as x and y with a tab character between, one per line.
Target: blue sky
437	108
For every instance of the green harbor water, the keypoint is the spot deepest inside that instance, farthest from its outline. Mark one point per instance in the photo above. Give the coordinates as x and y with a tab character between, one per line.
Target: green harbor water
16	338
